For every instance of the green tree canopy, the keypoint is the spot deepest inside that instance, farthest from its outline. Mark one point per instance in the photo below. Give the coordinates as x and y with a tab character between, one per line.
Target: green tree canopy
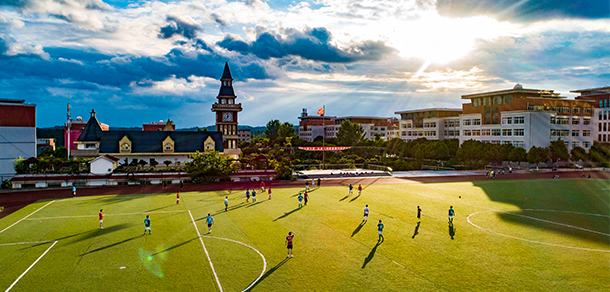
579	153
518	154
350	134
559	151
538	154
210	167
272	130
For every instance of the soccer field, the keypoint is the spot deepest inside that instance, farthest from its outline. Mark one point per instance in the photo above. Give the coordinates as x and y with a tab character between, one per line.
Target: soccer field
507	235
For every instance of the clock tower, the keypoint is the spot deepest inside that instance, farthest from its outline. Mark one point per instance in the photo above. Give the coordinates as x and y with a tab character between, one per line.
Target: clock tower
226	113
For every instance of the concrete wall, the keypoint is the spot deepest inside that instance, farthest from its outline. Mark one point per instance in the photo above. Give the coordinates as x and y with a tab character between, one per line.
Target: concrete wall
102	166
15	142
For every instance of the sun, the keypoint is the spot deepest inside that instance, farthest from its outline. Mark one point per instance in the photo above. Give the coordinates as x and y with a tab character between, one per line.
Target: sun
436	39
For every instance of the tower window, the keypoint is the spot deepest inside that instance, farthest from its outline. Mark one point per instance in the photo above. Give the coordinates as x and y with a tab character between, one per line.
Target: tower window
223	101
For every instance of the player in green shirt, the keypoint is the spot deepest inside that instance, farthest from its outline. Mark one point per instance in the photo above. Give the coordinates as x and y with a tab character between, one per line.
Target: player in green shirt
147	224
380	228
300	201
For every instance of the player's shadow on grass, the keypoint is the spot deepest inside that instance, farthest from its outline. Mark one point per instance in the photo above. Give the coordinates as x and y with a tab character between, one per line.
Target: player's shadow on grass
287	214
355	198
358	228
240	205
112	245
155	209
371	255
344	198
416	232
254	204
269	272
304	191
173	247
451	230
91	233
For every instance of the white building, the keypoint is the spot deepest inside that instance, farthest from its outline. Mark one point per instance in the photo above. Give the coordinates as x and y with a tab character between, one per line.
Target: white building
431	123
17	134
600	97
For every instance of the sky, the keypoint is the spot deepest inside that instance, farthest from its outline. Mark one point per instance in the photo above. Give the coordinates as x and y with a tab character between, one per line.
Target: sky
135	61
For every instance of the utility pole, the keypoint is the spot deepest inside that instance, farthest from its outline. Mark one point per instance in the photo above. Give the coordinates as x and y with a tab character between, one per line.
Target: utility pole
69	131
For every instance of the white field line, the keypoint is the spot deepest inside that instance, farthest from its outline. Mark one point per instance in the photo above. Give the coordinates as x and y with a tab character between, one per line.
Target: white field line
398	264
556	223
95	216
27	216
532	241
206	252
18	243
12	285
254	249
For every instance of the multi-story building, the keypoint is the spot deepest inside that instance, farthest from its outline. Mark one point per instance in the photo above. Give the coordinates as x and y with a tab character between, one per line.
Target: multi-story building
386	128
160	126
17	134
74	128
431	123
600	98
311	127
43	144
244	135
526	118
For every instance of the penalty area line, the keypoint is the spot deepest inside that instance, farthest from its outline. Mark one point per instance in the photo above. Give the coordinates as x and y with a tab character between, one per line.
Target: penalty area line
206	252
28	269
27	216
18	243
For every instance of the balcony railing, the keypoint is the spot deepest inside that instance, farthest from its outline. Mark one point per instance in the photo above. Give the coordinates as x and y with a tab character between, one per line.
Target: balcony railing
226	105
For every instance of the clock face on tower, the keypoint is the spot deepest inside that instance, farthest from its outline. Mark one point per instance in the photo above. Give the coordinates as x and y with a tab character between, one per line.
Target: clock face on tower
227	117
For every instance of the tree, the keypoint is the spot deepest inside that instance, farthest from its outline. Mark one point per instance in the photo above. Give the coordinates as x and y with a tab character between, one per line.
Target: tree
286	130
167	162
61	152
579	153
518	154
6	184
350	134
272	129
538	154
559	151
210	166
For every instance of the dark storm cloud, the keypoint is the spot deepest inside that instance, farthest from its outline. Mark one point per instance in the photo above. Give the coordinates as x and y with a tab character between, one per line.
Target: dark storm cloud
312	44
524	10
180	27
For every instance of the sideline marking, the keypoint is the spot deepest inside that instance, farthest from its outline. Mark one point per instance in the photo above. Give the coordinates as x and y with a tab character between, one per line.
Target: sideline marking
11	287
27	216
91	216
254	249
32	242
534	241
206	252
398	264
557	223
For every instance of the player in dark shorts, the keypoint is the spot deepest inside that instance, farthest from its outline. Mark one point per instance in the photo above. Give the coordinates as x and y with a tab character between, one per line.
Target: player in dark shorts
289	243
418	214
210	221
247	195
306	197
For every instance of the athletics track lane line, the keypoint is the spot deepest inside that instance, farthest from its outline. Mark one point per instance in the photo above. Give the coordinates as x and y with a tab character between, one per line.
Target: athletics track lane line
40	257
27	216
206	252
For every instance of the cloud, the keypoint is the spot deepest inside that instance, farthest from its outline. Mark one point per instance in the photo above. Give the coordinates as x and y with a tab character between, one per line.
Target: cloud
178	26
312	44
524	10
85	13
9	48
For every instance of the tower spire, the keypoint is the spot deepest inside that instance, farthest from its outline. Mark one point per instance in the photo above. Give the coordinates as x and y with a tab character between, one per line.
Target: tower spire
226	74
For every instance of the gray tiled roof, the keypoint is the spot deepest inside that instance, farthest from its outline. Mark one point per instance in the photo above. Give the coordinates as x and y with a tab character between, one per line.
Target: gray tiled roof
92	131
152	141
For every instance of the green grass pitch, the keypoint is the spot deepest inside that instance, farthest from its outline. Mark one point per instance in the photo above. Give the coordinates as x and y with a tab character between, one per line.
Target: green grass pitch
508	235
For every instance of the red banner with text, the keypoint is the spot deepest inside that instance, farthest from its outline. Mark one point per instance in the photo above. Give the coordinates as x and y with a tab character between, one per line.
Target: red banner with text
324	148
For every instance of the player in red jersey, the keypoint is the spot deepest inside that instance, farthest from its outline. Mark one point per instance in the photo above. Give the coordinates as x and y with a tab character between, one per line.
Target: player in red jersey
101	215
289	243
178	198
269	191
263	187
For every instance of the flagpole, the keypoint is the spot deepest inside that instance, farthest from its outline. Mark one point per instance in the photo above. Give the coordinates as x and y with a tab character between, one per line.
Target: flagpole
323	137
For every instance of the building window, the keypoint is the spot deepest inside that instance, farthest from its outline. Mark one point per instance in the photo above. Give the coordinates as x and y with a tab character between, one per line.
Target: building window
495	111
575	144
476	122
168	147
497	100
495	141
124	147
508	99
576	110
565	109
507	121
494	120
466	122
507	132
496	132
467	133
586	144
518	132
586	121
487	111
586	133
519	144
476	132
575	133
519	120
223	101
586	110
485	132
575	121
